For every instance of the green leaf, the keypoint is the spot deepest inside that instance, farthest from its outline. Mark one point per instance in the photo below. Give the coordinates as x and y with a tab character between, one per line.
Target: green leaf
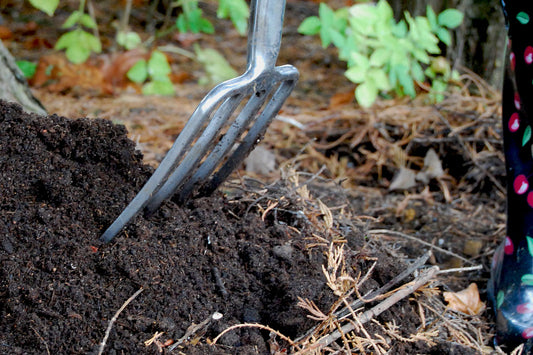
87	21
191	20
432	18
380	57
27	68
78	45
439	86
72	20
405	80
421	55
158	66
181	23
527	279
77	54
216	66
195	21
417	71
430	73
138	73
500	297
384	11
237	11
161	86
66	40
327	19
46	6
90	41
356	74
380	78
530	245
400	29
444	35
527	136
79	18
310	26
205	26
366	94
450	18
128	40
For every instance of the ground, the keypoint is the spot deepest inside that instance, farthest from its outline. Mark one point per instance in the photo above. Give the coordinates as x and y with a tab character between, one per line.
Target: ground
261	250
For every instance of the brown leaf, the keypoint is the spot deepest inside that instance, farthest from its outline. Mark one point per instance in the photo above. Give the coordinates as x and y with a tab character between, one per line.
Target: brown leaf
36	42
5	33
115	66
341	99
57	74
465	301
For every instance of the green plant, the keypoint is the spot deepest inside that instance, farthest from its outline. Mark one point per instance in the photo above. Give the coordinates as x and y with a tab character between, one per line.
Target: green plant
128	39
27	68
383	55
217	69
191	19
237	11
153	74
46	6
78	43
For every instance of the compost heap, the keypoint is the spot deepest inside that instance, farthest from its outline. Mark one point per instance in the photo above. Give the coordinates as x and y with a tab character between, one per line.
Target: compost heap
63	181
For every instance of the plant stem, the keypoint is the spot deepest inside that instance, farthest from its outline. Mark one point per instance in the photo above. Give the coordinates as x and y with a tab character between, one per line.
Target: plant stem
126	17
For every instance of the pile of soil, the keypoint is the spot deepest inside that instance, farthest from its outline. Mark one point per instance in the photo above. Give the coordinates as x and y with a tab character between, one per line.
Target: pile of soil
63	182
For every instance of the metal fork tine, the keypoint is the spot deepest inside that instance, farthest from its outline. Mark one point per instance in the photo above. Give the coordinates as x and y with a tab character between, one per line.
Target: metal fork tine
171	160
186	168
241	123
257	130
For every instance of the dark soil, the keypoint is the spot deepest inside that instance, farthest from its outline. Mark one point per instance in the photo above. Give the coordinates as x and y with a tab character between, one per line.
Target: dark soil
63	181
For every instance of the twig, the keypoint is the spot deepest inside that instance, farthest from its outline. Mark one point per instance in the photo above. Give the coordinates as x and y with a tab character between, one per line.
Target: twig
42	339
385	288
380	291
195	328
254	325
383	306
90	8
461	269
114	319
406	236
219	282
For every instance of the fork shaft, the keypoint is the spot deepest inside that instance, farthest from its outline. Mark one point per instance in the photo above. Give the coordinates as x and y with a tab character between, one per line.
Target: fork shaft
264	34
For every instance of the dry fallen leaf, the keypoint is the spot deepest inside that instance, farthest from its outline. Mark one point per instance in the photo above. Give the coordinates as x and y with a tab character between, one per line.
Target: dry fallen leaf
403	180
466	301
432	167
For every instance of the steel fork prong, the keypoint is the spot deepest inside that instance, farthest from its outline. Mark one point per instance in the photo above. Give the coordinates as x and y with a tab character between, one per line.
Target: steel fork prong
290	75
191	160
169	164
239	125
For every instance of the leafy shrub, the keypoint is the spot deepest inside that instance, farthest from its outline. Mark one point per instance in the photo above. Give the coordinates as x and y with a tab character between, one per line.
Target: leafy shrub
154	73
383	55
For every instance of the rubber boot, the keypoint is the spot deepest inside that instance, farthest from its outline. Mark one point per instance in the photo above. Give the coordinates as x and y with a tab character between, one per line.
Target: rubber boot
511	284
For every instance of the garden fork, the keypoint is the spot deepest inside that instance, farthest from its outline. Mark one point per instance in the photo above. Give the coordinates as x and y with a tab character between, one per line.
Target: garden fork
203	146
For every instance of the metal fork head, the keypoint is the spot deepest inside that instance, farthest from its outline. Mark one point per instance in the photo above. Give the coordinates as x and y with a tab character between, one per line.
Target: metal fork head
203	145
